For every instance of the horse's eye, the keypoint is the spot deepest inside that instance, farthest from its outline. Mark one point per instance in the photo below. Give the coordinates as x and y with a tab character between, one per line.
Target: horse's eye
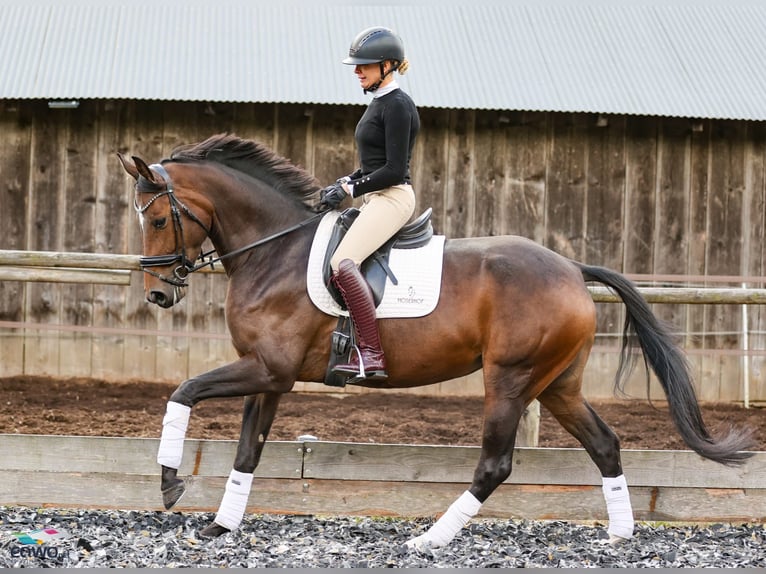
160	223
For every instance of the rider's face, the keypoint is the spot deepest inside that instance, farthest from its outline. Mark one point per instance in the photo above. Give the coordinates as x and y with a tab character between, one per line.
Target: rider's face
369	74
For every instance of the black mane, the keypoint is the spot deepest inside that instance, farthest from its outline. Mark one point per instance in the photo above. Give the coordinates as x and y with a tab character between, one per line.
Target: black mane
254	159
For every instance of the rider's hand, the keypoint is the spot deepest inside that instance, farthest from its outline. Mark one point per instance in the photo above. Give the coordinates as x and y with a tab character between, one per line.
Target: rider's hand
332	196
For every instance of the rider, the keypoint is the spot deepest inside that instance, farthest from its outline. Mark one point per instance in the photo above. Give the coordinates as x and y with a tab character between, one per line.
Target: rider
385	137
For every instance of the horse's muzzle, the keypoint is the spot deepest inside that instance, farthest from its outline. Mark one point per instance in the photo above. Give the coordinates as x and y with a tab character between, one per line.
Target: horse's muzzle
164	299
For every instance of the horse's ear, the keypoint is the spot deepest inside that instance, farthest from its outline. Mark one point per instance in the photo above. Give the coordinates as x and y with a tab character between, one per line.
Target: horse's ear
128	166
144	170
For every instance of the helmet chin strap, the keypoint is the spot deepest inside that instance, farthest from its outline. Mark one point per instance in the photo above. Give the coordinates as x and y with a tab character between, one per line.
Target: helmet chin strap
383	75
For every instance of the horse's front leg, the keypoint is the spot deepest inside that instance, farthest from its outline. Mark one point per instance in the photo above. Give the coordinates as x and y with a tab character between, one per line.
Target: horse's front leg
256	423
247	376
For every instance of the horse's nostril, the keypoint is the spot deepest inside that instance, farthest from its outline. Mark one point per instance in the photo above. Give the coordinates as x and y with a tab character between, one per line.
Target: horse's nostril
157	297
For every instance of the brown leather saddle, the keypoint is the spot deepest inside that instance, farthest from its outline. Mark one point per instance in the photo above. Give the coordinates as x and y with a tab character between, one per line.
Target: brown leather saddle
375	270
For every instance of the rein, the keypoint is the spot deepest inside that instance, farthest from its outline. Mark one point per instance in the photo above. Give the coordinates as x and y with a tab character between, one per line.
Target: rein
187	266
250	246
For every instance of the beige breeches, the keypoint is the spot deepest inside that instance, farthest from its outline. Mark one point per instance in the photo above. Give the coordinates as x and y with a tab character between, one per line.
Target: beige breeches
382	214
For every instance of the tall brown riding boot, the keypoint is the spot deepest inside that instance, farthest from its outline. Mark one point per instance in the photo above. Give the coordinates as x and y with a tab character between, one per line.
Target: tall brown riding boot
368	361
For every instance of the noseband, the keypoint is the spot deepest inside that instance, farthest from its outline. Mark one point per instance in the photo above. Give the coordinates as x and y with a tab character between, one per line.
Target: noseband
181	272
187	266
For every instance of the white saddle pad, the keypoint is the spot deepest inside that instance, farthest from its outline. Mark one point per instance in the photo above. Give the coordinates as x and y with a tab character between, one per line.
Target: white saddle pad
418	272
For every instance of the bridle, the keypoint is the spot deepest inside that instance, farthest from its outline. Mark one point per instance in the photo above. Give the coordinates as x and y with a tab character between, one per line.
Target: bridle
181	272
188	266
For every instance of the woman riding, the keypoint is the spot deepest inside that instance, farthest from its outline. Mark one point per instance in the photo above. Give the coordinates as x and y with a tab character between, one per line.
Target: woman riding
385	137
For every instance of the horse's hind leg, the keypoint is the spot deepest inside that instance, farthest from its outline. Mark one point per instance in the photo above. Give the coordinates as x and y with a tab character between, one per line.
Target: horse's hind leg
501	419
563	398
259	412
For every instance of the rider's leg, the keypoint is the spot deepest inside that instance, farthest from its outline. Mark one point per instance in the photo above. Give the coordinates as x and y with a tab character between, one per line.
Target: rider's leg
381	216
368	362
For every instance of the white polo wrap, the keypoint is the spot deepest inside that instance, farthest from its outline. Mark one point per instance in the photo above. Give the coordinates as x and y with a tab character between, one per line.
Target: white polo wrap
445	529
174	426
234	501
618	506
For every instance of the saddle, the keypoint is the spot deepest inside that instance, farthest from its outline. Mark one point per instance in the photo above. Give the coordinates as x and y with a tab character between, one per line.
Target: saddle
375	268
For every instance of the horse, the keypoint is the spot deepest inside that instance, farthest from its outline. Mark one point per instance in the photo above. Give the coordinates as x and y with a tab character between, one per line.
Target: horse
514	309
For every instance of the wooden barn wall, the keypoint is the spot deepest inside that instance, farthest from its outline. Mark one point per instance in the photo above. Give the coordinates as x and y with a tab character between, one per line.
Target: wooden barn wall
638	194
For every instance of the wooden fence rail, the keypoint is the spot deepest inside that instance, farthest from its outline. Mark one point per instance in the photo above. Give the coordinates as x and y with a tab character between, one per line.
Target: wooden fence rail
12	263
316	477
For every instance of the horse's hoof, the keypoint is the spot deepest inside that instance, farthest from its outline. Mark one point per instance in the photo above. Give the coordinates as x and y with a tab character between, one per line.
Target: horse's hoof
173	493
419	543
213	530
615	540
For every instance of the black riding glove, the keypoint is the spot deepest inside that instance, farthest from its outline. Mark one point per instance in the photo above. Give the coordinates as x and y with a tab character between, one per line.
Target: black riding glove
332	196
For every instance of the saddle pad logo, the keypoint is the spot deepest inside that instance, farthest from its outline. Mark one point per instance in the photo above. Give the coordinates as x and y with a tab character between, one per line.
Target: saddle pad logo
411	298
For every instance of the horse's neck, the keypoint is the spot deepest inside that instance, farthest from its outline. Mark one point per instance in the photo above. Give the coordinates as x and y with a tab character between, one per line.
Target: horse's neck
246	214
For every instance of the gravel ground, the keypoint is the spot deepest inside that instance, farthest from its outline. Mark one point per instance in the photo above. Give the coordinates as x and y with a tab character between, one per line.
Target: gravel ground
153	539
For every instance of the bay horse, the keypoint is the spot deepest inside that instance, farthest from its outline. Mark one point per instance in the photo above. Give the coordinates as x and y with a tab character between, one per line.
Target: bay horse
508	306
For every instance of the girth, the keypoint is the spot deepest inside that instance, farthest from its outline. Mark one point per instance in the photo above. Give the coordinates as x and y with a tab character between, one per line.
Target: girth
375	268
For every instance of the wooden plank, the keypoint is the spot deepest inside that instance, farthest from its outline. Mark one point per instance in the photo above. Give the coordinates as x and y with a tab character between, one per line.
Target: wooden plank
605	191
79	189
293	133
78	260
641	172
256	121
566	187
459	196
16	142
46	209
430	165
531	466
64	275
523	210
362	461
699	188
489	189
333	151
54	453
378	498
74	260
672	196
724	251
689	295
754	214
114	212
604	208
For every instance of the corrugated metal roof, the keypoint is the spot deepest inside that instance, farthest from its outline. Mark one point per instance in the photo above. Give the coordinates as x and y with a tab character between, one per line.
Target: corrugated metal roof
694	58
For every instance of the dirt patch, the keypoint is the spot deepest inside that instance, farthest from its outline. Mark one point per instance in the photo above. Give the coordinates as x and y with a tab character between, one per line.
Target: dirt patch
37	405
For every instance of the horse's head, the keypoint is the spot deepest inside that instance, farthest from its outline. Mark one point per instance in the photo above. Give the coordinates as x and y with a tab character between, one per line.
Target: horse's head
174	224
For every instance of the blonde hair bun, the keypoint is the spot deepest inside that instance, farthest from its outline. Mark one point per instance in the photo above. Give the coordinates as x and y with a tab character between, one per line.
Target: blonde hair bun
404	66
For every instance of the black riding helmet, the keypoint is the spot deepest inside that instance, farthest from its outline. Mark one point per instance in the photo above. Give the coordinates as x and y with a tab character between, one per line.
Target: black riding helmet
374	46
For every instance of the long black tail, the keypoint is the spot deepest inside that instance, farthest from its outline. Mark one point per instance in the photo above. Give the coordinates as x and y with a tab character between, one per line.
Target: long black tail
666	359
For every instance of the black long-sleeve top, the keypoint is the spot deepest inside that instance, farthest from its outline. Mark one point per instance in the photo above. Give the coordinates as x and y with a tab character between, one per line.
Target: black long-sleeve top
385	136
